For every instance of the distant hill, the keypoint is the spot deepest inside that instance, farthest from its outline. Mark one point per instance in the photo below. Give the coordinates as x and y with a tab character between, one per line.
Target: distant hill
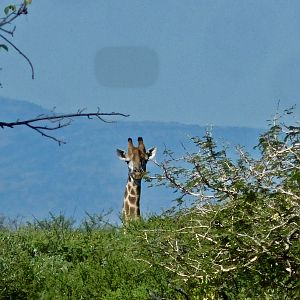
85	175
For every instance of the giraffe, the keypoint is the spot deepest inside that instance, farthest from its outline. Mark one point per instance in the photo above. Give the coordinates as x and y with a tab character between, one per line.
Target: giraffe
136	159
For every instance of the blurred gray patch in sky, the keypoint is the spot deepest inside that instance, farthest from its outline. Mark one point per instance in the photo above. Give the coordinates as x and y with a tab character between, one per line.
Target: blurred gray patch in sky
127	67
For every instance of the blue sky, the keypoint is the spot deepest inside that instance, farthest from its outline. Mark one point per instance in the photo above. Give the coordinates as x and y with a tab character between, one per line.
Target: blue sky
196	62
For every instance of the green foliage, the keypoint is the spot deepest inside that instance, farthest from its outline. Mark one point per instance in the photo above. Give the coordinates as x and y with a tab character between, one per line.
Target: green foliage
2	46
10	8
240	238
51	259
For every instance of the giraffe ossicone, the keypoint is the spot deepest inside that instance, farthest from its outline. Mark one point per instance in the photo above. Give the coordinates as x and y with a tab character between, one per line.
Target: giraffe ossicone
136	159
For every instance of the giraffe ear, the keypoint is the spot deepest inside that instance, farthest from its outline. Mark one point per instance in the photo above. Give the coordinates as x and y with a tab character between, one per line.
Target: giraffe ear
151	153
121	154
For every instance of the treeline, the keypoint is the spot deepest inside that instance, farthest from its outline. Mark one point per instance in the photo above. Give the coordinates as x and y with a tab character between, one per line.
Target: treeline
239	237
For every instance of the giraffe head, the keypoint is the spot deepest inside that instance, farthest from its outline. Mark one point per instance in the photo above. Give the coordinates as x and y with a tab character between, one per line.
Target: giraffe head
136	158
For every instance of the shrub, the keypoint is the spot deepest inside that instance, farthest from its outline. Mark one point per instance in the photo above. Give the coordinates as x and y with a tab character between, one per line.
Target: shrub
240	237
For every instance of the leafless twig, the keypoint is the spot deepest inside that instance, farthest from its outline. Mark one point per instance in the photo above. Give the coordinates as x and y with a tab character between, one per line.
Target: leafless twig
54	122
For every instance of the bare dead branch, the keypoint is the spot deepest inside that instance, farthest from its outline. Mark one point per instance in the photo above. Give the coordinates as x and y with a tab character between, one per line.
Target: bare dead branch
55	122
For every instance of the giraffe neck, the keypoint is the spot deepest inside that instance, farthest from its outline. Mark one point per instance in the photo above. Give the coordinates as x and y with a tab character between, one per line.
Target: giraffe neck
131	206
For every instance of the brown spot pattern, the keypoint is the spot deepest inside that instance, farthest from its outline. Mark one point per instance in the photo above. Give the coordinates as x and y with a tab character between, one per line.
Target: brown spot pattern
132	199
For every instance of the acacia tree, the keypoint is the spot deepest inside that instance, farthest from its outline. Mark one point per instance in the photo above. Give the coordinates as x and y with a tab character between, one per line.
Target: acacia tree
241	237
43	124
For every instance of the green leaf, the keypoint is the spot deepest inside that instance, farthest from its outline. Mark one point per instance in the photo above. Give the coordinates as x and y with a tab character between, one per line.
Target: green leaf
9	8
27	2
4	47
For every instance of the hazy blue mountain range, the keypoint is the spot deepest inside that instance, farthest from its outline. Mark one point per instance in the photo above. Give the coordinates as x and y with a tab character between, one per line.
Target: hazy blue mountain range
85	175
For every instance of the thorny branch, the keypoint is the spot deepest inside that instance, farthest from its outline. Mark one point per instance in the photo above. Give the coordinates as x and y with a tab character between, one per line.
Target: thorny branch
257	220
58	121
212	176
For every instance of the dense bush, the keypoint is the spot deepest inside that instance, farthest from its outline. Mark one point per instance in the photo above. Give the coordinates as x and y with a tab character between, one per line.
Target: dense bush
51	259
238	239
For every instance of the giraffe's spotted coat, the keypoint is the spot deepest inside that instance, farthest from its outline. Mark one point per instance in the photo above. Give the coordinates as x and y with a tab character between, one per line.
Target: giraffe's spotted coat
136	158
